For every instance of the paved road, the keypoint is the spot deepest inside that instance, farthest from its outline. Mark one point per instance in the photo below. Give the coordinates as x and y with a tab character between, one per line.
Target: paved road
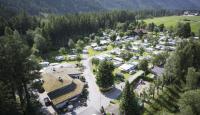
96	99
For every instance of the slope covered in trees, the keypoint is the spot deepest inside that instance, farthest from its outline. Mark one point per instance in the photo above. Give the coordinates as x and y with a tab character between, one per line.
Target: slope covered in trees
63	6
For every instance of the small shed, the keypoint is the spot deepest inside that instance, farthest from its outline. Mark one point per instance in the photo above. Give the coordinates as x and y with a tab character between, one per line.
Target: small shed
59	58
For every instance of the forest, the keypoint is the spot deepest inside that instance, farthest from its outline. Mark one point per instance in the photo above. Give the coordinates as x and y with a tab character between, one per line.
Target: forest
55	31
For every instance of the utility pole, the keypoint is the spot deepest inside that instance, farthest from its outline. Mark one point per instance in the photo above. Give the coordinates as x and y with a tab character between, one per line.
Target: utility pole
100	98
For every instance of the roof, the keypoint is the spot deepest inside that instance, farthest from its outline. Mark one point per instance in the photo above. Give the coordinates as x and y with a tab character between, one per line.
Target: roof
70	71
59	91
104	42
118	59
118	38
59	58
77	90
135	63
94	44
135	76
45	62
151	76
126	67
115	51
157	70
135	48
52	83
103	57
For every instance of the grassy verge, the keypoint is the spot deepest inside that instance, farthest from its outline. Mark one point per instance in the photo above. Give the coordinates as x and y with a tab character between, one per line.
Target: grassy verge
172	21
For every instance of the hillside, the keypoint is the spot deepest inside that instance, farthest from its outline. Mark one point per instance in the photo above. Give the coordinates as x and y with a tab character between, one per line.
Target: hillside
172	21
63	6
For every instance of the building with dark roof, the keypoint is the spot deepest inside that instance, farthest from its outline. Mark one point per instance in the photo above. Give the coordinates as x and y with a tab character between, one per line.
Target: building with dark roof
158	71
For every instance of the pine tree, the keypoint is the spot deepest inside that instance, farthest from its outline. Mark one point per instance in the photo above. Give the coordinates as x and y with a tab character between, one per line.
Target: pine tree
192	78
105	78
143	65
128	103
113	37
17	69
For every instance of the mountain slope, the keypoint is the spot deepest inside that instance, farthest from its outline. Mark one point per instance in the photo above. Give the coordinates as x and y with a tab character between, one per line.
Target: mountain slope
151	4
63	6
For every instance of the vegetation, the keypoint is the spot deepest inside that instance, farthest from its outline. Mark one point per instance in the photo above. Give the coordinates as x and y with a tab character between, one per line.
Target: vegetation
189	102
143	65
160	59
126	55
17	71
128	103
171	21
192	78
181	79
105	78
113	37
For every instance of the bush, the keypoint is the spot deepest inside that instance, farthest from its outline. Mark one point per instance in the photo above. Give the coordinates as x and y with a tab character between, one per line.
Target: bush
119	77
95	61
94	70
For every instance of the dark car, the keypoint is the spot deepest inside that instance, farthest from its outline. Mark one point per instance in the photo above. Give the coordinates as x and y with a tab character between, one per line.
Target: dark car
47	101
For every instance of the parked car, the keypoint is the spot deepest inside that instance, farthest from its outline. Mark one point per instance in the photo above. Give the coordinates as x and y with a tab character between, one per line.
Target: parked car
47	101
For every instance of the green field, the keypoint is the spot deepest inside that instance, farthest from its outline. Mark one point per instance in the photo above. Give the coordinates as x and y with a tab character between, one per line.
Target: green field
172	21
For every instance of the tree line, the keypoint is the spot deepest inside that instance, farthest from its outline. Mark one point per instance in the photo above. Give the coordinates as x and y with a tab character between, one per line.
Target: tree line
54	31
17	71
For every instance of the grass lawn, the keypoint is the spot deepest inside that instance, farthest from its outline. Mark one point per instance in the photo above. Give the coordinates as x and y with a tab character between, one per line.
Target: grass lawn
126	75
92	52
109	47
172	21
146	54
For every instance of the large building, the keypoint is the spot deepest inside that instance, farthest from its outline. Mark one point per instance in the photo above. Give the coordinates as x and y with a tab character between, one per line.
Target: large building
62	85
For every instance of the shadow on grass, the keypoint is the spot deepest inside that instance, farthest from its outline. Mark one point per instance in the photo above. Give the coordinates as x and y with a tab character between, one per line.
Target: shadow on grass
148	112
169	105
173	92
